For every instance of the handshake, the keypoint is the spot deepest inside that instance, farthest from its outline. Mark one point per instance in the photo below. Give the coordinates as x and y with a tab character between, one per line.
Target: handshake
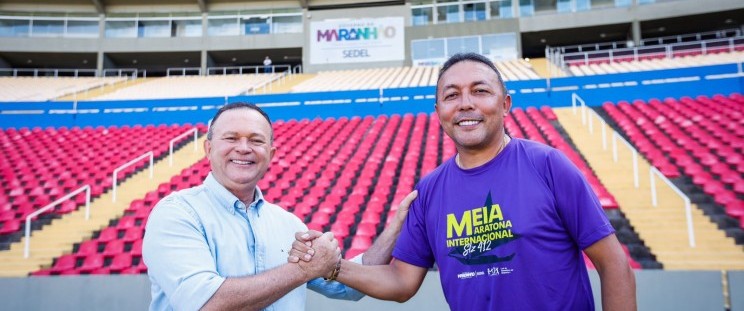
317	254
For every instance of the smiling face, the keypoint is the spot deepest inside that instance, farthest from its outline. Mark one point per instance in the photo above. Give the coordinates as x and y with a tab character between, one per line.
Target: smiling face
471	106
240	150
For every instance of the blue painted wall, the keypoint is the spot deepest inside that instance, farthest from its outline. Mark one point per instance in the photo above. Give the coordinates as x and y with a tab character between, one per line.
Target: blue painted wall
708	80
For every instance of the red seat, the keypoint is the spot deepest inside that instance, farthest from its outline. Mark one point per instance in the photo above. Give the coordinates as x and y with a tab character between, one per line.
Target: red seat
113	247
108	234
64	263
91	262
10	226
133	234
88	247
120	262
136	249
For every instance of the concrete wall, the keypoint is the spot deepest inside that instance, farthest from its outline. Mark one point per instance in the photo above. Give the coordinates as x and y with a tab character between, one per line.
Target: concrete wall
657	290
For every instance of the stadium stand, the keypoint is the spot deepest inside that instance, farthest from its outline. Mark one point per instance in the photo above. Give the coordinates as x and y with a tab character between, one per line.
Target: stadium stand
398	77
681	240
702	138
192	87
336	175
49	88
71	158
607	67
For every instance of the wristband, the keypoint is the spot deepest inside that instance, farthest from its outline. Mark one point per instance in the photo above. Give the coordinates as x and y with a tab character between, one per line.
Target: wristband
335	272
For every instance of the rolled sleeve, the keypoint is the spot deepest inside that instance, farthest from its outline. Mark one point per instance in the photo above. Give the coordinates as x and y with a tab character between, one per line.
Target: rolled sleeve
178	258
336	290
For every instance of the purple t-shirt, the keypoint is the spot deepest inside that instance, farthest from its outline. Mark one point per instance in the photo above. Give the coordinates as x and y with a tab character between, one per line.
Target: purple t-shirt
507	235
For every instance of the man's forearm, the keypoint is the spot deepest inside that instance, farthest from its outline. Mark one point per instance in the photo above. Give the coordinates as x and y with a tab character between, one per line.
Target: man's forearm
618	288
257	291
381	251
397	281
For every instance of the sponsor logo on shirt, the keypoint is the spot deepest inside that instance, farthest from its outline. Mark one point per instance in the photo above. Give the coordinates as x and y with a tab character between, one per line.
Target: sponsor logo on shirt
470	274
496	271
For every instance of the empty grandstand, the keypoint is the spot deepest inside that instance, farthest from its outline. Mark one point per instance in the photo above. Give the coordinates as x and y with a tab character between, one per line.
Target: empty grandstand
88	87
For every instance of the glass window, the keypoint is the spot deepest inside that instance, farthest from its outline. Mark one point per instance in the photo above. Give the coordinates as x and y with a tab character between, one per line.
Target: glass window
474	11
526	8
46	28
501	9
121	29
500	46
223	27
422	16
448	13
427	49
564	6
187	28
154	29
541	6
623	3
14	27
584	5
82	29
646	1
287	24
462	45
256	25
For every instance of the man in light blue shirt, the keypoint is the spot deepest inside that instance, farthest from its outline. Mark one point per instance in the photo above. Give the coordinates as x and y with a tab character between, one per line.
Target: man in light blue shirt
221	246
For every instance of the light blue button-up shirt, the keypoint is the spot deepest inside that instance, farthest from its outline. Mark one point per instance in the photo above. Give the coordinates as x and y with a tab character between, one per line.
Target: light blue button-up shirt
198	237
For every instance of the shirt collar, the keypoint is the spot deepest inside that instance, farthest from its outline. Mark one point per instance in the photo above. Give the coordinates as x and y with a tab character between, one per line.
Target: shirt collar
228	200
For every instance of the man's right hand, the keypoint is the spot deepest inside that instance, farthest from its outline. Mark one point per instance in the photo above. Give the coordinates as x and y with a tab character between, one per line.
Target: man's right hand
326	255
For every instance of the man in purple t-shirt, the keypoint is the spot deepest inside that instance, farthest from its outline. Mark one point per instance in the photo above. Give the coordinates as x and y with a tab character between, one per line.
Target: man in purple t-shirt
505	220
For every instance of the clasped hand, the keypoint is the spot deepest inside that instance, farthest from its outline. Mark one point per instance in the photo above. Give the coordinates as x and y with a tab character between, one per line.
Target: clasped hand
315	252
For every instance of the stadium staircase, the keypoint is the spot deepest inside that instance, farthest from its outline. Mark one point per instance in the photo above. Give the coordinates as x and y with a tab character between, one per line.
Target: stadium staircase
663	228
102	90
56	238
286	85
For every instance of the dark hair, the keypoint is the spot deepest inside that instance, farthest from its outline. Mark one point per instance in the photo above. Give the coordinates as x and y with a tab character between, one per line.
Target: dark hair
238	105
473	57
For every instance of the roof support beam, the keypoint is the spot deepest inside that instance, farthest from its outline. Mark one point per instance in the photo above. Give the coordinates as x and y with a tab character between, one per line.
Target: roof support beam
100	7
202	5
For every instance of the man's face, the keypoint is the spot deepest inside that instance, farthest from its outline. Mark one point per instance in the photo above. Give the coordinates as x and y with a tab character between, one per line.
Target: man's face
471	105
240	149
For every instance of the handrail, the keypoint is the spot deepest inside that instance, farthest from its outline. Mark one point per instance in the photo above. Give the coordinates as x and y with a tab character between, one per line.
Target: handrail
55	71
575	97
193	71
688	210
665	50
256	69
616	136
86	188
170	144
644	42
118	169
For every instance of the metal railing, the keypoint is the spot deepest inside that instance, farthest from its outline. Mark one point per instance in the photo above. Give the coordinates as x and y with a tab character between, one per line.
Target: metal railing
47	72
118	169
126	72
247	70
172	141
587	120
718	34
688	207
184	71
646	52
86	188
